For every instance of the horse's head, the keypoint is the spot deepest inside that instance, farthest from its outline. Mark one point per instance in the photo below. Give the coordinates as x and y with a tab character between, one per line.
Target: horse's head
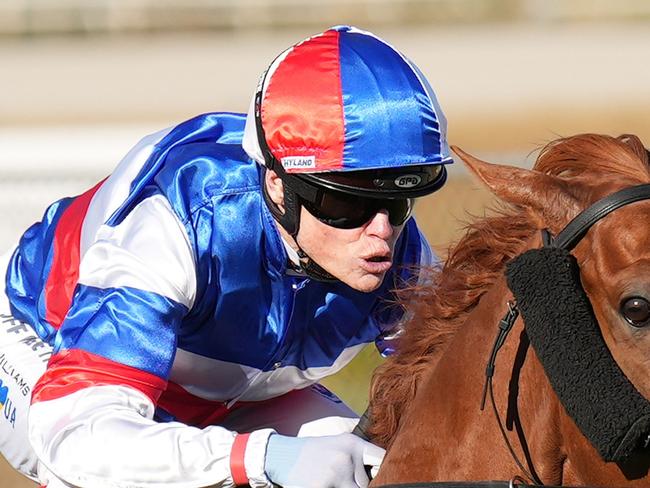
610	274
595	347
613	255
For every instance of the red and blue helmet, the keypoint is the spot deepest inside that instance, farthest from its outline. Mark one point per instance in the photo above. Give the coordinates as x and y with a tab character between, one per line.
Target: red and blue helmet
347	111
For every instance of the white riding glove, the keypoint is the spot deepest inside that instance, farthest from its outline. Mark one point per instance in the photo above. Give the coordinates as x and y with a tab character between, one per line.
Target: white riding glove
336	461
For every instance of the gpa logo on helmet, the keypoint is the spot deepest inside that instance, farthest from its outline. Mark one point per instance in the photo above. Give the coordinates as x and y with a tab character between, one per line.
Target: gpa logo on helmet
408	181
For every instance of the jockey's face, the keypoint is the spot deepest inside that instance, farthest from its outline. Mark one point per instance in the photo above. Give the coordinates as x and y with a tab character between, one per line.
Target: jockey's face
358	257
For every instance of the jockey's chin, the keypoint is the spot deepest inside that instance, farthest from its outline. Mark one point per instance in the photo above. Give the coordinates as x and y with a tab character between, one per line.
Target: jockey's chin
358	257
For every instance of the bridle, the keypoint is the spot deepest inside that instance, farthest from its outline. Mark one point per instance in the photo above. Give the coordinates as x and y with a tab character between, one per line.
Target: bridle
565	240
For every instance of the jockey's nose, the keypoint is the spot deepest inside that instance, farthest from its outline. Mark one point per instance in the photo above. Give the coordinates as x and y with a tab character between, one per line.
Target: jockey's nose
380	226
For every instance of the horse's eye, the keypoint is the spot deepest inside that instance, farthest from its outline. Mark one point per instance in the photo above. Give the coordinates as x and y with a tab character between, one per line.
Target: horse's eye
636	311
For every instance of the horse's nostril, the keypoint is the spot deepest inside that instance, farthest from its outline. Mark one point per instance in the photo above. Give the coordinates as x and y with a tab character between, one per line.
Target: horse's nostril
636	310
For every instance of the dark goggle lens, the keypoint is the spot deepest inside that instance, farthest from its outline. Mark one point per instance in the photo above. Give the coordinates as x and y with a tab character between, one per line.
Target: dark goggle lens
345	211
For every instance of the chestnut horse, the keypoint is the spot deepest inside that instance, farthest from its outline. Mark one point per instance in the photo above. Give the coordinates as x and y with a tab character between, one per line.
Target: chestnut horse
425	404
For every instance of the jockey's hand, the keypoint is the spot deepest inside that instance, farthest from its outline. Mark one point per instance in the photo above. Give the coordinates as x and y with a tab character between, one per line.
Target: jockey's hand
336	461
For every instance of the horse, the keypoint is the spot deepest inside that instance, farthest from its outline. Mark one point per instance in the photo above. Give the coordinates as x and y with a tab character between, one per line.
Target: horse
426	400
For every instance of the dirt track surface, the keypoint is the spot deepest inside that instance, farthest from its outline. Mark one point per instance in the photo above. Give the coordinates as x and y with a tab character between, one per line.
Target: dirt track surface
10	479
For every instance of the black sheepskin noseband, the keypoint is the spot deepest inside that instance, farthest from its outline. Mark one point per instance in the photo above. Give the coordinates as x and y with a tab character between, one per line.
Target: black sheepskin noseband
563	330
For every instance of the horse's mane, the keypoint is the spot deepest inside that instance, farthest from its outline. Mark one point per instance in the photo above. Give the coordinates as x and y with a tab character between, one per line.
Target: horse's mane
436	310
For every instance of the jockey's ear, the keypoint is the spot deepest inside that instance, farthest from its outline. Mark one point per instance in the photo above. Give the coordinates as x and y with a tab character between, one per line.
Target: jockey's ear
547	197
275	188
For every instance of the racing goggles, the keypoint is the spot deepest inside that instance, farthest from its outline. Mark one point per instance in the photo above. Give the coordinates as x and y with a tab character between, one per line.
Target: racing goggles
345	211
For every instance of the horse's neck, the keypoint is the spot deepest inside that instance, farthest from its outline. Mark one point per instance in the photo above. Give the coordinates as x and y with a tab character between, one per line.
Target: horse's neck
521	389
447	405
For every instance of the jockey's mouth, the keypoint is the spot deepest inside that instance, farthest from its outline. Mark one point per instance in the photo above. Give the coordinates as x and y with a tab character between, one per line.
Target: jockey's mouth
378	259
377	263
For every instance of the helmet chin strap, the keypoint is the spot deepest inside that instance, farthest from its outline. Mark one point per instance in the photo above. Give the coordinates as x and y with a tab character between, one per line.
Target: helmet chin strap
313	270
290	221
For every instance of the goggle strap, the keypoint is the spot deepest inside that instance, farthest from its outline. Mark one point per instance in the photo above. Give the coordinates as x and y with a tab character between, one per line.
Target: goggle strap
302	188
291	212
290	218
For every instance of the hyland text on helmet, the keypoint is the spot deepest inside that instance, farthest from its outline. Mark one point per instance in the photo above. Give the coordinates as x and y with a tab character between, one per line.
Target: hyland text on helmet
299	162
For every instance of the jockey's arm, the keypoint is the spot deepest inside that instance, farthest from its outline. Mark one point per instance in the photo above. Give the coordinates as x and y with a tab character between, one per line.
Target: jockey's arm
91	420
106	436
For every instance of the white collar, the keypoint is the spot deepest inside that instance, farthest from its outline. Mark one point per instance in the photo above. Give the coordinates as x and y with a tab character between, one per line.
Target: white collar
291	252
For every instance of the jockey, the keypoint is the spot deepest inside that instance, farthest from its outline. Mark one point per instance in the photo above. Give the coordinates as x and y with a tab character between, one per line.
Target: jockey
169	326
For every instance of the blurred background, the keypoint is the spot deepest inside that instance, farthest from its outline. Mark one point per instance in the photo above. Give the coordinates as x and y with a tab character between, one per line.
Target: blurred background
82	81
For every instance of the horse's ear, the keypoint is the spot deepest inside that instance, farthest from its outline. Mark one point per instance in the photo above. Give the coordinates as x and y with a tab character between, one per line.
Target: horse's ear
536	191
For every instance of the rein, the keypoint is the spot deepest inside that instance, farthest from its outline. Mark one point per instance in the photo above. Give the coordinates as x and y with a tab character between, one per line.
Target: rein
566	240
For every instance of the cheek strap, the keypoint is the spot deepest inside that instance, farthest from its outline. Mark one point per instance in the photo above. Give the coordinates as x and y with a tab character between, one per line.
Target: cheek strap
560	322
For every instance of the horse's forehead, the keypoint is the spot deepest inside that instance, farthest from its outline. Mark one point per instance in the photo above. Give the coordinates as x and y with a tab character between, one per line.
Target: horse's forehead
628	227
622	239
